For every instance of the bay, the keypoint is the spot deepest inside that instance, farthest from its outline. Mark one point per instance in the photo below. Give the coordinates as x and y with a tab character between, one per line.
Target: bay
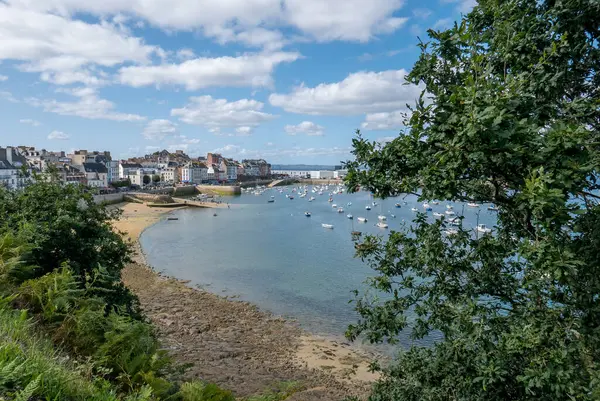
272	255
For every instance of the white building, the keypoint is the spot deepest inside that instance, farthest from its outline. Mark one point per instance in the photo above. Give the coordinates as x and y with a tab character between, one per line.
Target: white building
194	173
230	168
112	167
340	174
96	174
321	174
167	174
293	173
11	164
216	174
126	168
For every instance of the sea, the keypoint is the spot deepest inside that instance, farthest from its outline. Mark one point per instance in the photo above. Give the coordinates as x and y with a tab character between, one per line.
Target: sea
275	257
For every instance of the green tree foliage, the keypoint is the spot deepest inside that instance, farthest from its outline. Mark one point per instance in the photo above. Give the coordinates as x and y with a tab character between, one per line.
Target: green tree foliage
62	224
510	114
146	180
121	183
156	178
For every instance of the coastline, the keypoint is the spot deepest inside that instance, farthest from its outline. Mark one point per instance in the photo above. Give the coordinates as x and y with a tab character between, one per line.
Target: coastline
231	342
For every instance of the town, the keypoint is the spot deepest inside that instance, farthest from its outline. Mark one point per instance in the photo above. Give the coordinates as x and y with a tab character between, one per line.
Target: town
20	165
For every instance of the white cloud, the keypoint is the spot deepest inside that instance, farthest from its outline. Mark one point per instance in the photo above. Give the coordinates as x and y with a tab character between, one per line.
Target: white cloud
358	93
186	54
443	23
385	121
88	105
385	139
6	95
249	70
353	20
159	129
243	131
58	135
422	13
61	47
463	6
31	122
217	113
3	78
305	127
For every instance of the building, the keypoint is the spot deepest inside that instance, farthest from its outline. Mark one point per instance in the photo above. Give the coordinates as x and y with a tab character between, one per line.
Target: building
112	167
321	174
292	173
168	174
216	174
80	157
213	158
96	174
230	167
194	173
256	168
340	174
14	170
126	168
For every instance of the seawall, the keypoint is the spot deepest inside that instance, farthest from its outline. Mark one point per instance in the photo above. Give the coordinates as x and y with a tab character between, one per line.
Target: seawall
219	189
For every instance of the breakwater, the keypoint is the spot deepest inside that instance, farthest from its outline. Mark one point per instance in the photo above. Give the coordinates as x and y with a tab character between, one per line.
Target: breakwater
219	189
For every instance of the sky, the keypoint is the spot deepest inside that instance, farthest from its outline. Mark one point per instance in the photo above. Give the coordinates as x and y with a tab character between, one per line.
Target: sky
285	80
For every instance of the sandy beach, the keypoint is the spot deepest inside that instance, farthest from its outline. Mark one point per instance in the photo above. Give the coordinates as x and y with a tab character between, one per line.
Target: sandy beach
233	343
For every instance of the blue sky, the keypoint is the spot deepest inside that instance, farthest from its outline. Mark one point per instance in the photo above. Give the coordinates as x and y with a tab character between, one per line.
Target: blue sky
287	80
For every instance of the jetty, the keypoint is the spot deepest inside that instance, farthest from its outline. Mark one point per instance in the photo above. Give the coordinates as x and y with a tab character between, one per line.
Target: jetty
195	203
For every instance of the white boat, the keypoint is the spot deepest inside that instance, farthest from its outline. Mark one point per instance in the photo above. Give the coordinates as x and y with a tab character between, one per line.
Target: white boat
303	195
382	225
393	216
436	214
435	203
374	203
471	204
349	204
334	206
451	231
330	226
368	207
493	208
450	213
482	228
426	206
362	220
449	207
287	196
307	214
382	218
340	210
414	209
312	198
272	196
349	216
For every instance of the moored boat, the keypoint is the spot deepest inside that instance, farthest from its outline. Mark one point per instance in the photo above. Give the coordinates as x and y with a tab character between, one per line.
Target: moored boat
362	220
349	216
471	204
367	207
482	228
329	226
381	224
382	217
307	214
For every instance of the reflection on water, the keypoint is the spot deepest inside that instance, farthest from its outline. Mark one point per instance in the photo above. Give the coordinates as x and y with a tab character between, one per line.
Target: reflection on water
272	255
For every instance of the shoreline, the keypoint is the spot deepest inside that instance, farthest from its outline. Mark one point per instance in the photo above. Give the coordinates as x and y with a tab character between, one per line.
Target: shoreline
231	342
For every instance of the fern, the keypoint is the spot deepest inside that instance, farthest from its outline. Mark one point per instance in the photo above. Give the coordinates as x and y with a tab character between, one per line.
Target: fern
29	390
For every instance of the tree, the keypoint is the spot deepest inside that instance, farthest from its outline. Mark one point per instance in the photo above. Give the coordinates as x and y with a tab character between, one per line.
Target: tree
508	115
156	178
146	179
121	183
62	225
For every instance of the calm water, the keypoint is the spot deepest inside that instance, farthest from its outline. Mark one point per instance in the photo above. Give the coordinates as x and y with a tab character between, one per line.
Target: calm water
273	256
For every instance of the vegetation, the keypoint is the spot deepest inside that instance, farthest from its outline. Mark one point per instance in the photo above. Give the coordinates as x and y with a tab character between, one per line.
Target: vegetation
121	184
509	115
146	179
69	330
155	178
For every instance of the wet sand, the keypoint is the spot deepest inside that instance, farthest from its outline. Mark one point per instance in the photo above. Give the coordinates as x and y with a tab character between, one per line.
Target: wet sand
233	343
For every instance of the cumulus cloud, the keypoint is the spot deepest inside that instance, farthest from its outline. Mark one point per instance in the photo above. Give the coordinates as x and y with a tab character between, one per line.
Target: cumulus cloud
58	46
385	121
443	23
3	78
159	129
352	20
358	93
88	105
31	122
249	70
305	127
463	6
217	113
58	135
